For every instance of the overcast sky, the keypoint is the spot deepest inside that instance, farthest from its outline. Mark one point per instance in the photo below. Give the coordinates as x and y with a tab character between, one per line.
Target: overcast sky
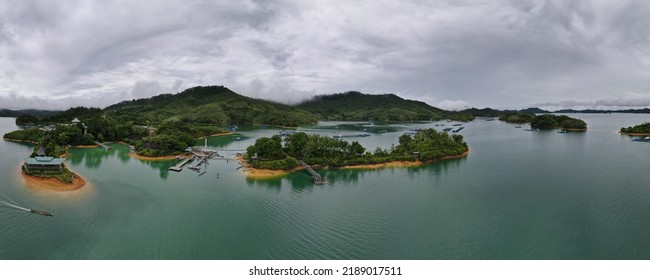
450	54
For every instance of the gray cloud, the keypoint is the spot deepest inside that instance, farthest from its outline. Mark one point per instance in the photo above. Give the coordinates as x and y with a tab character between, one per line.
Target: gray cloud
629	100
451	54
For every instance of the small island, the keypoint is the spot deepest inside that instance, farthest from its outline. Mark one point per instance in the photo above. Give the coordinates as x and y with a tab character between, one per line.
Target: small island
282	155
48	172
545	121
637	130
548	121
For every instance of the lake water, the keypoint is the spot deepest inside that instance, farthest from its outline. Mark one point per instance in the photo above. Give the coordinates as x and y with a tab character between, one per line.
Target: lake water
518	195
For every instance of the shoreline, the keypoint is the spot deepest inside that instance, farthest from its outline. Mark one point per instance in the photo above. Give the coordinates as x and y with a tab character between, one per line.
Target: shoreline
53	184
160	158
218	134
85	146
404	163
633	133
573	129
254	173
19	141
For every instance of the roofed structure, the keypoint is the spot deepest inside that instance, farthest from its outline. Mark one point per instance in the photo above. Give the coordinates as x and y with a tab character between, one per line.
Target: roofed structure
44	163
41	151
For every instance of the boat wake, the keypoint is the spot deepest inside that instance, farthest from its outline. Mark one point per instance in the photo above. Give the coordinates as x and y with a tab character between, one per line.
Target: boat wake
6	202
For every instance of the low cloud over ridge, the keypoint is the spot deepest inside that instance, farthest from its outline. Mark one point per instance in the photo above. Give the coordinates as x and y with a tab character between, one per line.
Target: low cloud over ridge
501	54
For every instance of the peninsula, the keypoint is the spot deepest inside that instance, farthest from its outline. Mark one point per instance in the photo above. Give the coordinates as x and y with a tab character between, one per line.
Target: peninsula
44	171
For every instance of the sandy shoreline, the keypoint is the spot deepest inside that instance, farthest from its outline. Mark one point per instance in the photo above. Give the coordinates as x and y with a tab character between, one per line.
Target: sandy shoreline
403	163
218	134
53	184
85	146
19	141
162	158
255	173
634	134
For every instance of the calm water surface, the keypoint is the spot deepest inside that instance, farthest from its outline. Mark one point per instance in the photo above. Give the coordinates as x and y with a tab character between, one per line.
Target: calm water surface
519	195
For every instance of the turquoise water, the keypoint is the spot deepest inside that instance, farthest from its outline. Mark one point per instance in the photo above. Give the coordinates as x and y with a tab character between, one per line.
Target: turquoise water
518	195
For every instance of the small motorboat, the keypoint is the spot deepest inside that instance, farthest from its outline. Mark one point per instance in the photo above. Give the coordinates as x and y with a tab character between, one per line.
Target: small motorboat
42	213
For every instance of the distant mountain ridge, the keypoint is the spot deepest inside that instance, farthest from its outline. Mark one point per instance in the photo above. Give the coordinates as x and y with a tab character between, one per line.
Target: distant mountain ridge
33	112
212	105
218	105
356	106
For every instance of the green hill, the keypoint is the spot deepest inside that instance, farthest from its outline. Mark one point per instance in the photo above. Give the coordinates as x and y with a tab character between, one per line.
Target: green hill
210	105
643	128
356	106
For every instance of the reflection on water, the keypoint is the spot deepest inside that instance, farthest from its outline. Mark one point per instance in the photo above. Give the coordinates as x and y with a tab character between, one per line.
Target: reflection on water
301	181
161	166
272	183
92	158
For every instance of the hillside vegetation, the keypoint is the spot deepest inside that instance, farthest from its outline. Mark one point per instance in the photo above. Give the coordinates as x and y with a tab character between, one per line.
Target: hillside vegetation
356	106
643	128
168	123
216	105
557	121
517	117
278	153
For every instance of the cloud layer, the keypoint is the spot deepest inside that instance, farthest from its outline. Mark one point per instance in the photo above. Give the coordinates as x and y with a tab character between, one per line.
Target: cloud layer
452	54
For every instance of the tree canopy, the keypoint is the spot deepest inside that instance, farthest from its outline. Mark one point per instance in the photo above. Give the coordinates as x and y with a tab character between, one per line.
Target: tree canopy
277	153
643	128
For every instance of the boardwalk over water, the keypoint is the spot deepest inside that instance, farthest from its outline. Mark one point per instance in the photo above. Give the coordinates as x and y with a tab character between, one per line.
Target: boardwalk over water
179	166
314	175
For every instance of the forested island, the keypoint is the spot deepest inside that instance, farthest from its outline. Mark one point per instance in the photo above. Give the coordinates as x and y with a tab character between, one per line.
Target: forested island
544	121
277	153
548	121
641	129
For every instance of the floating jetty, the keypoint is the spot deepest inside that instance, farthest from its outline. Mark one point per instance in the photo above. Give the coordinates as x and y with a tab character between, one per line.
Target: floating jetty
179	166
314	175
197	163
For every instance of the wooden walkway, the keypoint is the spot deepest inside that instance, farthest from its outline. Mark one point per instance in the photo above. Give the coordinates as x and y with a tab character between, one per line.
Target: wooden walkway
179	166
314	175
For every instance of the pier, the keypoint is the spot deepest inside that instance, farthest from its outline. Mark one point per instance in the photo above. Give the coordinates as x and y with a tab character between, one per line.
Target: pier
314	175
179	166
197	164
